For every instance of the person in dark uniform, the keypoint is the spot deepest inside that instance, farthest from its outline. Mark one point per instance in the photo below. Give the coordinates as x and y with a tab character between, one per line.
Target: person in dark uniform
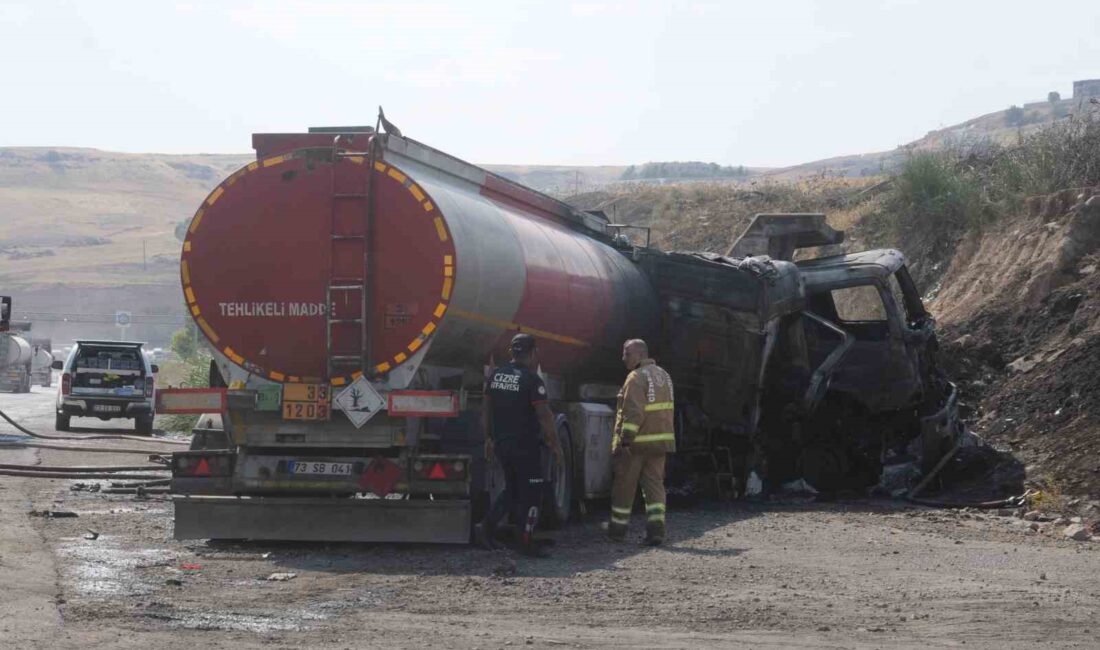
517	419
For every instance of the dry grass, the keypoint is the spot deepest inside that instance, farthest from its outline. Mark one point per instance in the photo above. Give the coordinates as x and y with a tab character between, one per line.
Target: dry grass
1047	496
708	216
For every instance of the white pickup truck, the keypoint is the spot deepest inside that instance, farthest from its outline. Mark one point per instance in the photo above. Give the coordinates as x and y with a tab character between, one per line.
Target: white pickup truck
107	380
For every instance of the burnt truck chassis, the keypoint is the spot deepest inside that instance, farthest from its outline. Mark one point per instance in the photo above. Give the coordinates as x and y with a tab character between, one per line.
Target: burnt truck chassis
773	385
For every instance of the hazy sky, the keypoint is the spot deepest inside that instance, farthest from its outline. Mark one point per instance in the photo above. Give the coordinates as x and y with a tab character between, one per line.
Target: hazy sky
755	83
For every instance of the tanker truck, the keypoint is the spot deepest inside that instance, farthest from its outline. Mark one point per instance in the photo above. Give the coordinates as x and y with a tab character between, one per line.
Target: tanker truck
16	354
354	288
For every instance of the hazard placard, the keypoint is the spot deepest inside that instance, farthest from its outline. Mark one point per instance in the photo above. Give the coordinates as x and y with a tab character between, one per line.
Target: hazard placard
359	401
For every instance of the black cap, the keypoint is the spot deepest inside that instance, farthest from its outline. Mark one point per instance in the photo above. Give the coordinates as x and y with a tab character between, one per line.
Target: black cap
522	343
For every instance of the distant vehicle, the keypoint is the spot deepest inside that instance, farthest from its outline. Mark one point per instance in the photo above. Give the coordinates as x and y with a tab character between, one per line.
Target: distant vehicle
107	380
42	363
15	352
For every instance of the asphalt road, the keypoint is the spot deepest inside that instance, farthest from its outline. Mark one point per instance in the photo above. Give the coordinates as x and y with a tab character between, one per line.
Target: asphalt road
792	575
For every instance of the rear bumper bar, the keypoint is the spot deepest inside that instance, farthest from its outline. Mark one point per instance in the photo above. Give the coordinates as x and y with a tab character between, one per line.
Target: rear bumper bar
322	519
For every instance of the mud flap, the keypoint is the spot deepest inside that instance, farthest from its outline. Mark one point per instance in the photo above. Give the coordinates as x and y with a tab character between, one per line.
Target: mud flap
322	520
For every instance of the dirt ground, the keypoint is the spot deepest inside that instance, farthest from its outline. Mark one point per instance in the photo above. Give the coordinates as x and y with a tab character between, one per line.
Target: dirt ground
837	575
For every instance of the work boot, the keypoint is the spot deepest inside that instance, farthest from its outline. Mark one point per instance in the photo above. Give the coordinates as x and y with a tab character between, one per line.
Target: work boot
483	537
615	532
654	534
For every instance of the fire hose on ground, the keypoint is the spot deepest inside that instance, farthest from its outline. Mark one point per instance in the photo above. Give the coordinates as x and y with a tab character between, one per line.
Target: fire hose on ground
93	436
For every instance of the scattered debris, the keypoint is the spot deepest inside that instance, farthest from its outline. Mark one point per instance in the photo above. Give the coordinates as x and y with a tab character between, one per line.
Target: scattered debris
281	577
1077	532
191	567
91	535
53	514
174	582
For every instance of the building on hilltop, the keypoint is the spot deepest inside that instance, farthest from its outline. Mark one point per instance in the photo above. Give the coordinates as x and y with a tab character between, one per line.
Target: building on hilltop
1086	88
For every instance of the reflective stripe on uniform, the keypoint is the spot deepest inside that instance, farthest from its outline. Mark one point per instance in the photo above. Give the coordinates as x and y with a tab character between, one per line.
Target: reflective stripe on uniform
655	437
657	517
621	511
629	427
656	507
619	519
660	406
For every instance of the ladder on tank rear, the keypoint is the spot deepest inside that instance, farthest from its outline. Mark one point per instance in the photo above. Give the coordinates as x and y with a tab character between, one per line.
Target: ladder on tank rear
347	295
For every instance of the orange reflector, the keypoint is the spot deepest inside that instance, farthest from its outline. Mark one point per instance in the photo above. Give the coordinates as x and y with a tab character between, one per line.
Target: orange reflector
437	472
202	469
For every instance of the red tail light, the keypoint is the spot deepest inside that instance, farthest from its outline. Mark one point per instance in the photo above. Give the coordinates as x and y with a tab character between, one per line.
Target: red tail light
149	386
200	465
66	383
440	470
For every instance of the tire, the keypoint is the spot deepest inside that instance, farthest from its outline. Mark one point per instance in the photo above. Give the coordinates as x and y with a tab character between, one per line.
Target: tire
61	422
143	425
558	502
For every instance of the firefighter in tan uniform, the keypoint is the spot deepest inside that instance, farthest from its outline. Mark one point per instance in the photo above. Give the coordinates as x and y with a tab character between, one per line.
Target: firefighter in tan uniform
644	434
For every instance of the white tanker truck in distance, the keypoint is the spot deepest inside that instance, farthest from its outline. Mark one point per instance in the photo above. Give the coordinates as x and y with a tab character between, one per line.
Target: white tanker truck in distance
16	354
354	287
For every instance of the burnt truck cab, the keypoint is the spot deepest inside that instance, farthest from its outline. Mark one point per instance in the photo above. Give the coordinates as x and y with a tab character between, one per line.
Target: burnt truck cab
900	414
853	394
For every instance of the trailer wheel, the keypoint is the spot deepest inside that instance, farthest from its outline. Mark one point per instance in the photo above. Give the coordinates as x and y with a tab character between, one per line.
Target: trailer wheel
61	422
558	504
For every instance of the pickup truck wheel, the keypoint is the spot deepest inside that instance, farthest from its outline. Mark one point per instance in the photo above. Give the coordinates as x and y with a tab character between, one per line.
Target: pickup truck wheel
558	501
143	425
61	422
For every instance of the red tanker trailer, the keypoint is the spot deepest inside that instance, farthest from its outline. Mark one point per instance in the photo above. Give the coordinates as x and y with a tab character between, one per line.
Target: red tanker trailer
354	286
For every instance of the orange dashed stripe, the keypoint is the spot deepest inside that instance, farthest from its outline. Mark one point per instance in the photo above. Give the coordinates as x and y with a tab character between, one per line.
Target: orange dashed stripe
339	381
396	175
440	229
400	358
382	367
448	271
252	166
415	345
277	376
380	166
416	192
187	246
197	220
427	206
190	295
233	356
440	310
448	260
271	162
185	272
216	195
447	282
195	310
213	336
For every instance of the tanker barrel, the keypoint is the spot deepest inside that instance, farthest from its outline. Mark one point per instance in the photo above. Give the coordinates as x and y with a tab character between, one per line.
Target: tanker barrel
14	350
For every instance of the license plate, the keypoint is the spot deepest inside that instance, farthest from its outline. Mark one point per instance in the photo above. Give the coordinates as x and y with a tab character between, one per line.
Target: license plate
312	467
107	408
